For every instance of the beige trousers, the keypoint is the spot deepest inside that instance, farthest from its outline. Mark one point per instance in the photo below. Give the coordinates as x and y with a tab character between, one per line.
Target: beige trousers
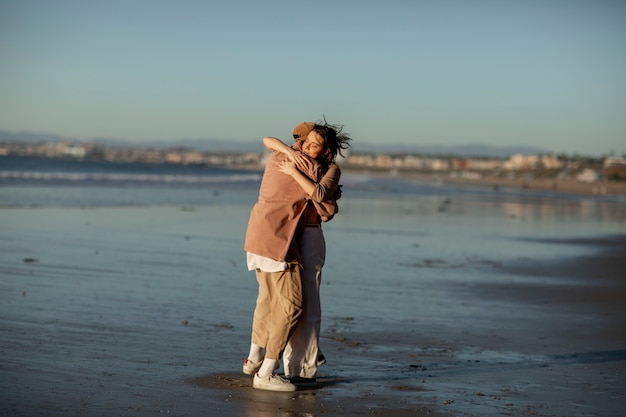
278	308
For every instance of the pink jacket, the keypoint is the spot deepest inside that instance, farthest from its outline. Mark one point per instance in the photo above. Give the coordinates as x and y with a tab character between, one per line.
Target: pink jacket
275	216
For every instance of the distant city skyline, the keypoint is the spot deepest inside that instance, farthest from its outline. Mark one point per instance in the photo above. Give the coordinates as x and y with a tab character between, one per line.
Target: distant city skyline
539	74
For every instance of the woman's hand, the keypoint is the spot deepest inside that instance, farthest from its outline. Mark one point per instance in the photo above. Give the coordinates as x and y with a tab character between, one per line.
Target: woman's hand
288	167
296	157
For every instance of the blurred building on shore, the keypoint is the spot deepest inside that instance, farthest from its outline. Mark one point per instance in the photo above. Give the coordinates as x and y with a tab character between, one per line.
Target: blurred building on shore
530	166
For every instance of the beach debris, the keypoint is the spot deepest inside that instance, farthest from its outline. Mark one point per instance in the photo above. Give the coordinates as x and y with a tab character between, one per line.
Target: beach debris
30	260
427	263
448	402
444	205
432	262
185	322
406	387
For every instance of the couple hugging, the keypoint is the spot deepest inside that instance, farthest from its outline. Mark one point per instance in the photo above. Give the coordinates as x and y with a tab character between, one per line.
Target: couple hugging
285	246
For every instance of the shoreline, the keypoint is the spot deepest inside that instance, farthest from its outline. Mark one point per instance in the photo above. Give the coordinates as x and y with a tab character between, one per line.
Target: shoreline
565	186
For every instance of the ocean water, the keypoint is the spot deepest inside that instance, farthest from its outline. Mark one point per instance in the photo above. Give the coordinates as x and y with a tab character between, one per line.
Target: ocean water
374	206
390	223
387	227
370	204
40	182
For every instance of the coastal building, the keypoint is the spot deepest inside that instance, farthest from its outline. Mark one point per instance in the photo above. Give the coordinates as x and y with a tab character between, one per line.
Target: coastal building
588	175
614	160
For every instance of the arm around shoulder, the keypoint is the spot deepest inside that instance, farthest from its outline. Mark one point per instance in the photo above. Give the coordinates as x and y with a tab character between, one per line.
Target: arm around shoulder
275	144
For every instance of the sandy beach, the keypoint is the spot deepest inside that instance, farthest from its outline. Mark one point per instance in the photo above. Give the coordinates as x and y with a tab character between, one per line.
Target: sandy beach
468	306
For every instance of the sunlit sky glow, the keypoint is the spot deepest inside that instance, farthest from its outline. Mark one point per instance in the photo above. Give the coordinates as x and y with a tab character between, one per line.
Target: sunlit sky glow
541	73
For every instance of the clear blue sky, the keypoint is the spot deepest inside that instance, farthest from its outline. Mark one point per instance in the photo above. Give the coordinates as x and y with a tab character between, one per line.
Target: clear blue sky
548	73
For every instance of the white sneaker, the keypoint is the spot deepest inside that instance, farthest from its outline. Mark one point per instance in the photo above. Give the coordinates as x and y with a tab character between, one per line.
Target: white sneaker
251	368
272	383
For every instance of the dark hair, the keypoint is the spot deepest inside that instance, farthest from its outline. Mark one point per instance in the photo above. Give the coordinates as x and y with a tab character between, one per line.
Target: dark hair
335	139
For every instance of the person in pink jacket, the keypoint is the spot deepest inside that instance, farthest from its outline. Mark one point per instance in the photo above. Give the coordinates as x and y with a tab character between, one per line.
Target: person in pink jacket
296	191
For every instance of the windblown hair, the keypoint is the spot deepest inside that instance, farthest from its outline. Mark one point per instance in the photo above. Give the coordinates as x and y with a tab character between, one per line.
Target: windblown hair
334	137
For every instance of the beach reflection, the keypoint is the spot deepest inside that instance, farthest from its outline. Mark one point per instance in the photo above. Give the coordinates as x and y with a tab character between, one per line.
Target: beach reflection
597	211
250	402
258	403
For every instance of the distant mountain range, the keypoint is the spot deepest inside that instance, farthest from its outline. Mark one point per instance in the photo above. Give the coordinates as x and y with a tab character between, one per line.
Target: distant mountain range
221	145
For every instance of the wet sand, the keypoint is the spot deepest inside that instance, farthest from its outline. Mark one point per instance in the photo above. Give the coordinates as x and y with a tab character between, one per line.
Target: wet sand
146	311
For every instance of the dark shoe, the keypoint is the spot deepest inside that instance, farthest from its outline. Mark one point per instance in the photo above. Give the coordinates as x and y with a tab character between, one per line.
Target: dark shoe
321	360
303	382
